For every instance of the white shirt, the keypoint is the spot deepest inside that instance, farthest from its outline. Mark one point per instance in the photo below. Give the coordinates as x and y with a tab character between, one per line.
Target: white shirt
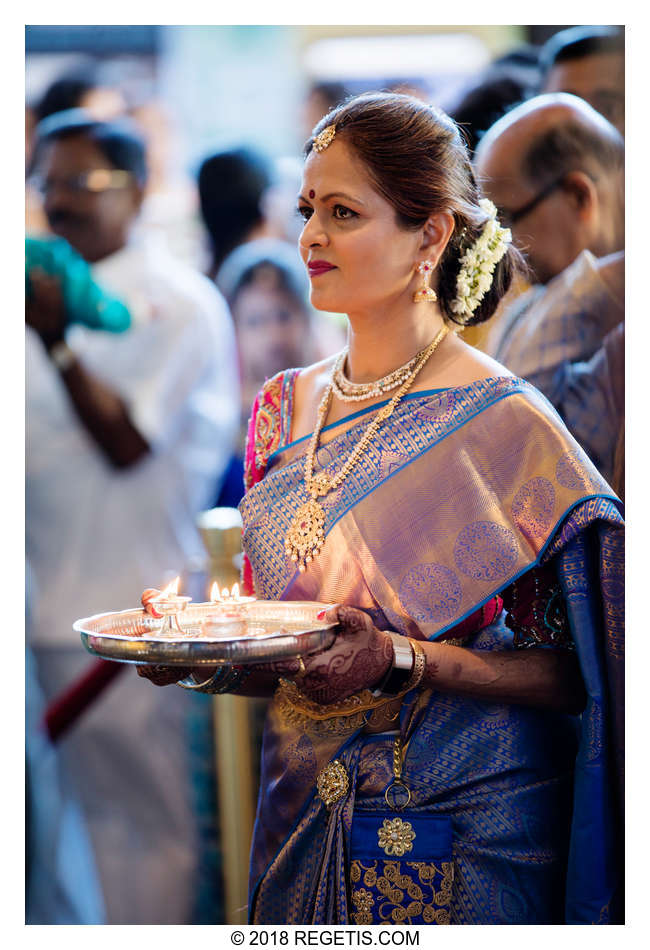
97	535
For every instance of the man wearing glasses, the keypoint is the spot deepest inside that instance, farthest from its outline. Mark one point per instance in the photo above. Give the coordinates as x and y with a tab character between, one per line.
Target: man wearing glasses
554	167
127	436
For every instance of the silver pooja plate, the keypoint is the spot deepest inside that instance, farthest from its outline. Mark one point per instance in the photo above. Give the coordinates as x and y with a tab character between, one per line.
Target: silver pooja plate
270	630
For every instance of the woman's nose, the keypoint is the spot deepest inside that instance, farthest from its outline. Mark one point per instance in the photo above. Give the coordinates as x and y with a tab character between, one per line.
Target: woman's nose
313	234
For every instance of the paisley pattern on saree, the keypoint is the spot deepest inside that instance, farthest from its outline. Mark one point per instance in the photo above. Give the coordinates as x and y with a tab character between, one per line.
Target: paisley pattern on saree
401	892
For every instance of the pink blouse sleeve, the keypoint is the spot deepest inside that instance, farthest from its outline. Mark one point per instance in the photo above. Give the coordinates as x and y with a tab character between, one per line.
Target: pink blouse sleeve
268	427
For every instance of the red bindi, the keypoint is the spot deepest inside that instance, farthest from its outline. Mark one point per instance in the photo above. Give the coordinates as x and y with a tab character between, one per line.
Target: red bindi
312	193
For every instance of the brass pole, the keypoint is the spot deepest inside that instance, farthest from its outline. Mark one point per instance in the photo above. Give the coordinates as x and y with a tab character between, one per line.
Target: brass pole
233	746
232	737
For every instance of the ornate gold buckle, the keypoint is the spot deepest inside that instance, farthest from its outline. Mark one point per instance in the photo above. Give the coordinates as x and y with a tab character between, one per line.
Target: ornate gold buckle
332	783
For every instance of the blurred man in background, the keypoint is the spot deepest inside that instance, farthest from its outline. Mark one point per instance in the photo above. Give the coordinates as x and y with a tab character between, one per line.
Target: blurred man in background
555	169
82	86
127	438
588	61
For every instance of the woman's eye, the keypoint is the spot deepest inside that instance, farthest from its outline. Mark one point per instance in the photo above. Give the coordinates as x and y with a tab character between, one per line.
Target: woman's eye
304	212
341	212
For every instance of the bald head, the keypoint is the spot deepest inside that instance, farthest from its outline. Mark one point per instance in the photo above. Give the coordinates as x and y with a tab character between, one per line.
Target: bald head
554	167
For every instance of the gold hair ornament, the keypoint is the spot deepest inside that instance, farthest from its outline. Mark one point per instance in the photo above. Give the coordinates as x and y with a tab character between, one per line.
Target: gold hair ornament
324	138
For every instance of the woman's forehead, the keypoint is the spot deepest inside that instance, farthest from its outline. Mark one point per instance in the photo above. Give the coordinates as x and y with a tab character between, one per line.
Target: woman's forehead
335	170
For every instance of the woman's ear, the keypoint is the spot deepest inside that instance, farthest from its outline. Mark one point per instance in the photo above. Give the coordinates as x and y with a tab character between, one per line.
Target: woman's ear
435	235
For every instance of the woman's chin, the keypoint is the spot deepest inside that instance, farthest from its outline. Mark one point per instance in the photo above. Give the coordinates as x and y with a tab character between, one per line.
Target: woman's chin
324	301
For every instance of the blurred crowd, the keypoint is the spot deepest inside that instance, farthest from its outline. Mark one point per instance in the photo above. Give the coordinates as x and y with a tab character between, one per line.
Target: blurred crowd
156	307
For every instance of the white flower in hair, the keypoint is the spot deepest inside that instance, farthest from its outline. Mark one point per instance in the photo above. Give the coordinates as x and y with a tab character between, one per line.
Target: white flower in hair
478	262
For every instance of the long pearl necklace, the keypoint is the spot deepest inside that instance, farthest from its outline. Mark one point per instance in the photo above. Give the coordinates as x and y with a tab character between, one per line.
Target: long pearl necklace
306	535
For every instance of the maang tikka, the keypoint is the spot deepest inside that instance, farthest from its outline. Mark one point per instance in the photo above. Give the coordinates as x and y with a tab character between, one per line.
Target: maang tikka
425	293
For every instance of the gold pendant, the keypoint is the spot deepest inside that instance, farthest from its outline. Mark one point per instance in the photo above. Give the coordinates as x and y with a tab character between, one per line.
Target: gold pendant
322	483
305	537
332	783
396	837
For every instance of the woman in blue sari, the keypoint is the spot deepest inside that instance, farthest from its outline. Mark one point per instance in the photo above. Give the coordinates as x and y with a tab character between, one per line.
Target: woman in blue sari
452	757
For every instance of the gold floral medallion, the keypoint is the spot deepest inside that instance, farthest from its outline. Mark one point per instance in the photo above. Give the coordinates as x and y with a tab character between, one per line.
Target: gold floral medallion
306	536
396	837
332	783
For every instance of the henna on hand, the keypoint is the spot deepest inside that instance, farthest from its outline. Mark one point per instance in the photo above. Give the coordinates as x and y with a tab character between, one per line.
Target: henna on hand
359	658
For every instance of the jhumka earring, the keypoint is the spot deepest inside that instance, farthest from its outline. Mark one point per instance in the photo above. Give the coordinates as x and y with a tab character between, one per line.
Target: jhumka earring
425	292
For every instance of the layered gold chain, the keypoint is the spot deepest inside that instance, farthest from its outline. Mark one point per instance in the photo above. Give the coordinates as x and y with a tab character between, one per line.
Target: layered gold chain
306	534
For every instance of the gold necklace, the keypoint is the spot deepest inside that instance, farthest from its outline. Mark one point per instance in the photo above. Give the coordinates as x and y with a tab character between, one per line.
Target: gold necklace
347	391
306	534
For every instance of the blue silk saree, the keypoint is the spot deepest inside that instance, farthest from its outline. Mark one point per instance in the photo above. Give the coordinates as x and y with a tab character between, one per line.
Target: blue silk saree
516	811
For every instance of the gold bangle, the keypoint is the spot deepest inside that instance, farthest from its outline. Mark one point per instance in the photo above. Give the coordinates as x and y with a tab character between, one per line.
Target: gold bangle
419	666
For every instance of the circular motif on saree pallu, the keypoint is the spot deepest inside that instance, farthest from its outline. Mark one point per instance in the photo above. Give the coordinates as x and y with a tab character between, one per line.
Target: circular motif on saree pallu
430	592
533	506
570	472
485	550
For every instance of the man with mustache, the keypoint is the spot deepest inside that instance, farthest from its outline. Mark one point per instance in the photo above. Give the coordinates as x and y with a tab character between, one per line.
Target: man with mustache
127	437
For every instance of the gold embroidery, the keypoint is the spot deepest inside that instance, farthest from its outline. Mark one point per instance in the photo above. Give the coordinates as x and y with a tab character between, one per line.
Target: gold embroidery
370	877
403	898
336	719
396	836
363	901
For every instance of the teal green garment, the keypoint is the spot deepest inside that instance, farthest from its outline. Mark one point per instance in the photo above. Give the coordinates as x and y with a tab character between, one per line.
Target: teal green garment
85	301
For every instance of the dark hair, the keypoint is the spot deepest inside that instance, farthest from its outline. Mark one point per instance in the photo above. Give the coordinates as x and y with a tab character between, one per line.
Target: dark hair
67	91
574	144
486	101
580	41
245	264
231	185
418	162
119	141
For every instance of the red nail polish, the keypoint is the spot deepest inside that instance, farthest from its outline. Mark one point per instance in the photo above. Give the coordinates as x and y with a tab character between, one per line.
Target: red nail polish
321	615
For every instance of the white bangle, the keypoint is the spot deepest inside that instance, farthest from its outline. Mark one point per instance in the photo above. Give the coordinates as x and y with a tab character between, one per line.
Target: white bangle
62	356
402	665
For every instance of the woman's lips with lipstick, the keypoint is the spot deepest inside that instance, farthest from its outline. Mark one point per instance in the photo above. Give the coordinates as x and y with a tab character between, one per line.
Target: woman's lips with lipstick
319	267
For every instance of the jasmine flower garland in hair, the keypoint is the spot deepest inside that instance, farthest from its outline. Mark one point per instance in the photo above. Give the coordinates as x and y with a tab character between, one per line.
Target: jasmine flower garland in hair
478	262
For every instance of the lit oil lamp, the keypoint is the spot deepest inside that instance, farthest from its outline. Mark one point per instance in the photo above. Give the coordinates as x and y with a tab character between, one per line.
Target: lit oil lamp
170	603
226	608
